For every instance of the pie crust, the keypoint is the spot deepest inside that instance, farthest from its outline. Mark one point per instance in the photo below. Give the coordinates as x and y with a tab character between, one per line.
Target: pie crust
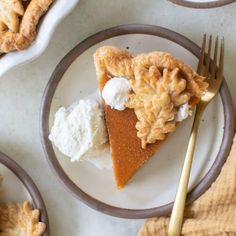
162	84
20	219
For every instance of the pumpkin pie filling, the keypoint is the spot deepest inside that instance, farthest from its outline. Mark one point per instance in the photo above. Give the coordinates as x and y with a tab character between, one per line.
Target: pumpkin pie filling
126	151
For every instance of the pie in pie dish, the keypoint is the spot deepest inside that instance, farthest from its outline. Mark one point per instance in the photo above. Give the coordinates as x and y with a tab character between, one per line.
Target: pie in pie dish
160	86
18	22
20	220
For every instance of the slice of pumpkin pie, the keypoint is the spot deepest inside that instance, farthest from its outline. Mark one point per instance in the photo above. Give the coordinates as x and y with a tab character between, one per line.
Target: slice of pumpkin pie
145	97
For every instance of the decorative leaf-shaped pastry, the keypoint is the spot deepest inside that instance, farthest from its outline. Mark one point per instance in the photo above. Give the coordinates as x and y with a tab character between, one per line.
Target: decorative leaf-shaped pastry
10	10
155	101
20	219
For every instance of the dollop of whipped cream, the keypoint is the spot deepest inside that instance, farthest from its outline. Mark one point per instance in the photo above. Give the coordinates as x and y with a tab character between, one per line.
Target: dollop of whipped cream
116	92
80	133
183	112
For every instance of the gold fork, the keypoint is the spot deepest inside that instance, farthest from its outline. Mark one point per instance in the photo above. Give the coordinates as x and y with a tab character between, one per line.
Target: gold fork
214	78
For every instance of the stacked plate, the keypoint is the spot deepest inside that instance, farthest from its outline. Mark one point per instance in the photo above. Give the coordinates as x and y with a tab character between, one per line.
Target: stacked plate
202	3
17	186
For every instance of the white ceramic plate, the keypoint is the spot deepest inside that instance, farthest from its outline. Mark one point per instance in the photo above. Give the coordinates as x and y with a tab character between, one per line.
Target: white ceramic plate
154	186
202	3
49	22
17	186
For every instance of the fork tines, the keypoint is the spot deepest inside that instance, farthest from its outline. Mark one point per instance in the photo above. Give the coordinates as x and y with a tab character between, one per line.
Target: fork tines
207	65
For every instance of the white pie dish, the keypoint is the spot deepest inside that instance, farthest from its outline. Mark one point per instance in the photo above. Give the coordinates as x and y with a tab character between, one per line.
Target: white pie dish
57	12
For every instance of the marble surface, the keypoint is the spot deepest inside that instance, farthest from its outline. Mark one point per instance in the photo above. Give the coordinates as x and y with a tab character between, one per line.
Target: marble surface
21	91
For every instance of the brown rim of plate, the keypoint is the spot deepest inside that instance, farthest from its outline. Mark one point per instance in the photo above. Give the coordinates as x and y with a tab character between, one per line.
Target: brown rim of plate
26	180
210	4
58	73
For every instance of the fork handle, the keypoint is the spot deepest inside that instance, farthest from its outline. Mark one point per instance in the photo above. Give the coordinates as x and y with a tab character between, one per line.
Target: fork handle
176	220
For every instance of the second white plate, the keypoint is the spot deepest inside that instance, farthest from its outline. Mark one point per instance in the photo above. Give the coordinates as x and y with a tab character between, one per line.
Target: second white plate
202	3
